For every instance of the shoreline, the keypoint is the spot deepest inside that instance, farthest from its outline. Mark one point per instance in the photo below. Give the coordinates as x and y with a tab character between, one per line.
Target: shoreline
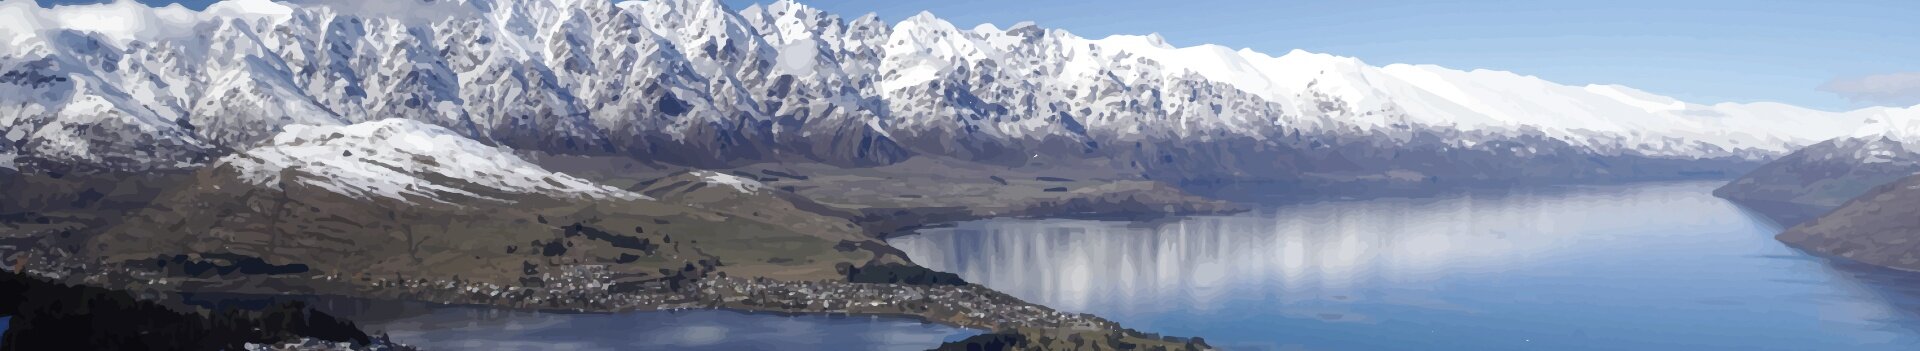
576	301
229	296
905	230
969	306
976	307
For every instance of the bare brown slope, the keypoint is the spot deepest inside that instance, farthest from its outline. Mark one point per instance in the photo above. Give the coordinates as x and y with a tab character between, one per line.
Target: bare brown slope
1881	227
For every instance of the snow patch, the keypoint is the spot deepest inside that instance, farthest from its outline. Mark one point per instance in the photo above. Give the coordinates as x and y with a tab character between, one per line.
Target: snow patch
404	159
738	183
799	57
406	11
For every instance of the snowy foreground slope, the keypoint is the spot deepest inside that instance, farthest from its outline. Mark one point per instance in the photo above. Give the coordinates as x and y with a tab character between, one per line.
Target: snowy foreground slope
403	160
126	86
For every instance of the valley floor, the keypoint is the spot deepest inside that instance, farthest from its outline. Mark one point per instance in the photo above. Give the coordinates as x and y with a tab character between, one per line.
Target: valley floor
582	290
883	201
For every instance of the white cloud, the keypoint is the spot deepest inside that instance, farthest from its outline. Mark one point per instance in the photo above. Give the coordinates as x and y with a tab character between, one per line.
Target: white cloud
1898	89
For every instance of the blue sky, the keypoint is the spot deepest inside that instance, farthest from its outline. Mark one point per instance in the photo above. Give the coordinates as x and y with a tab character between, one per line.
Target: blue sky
1824	54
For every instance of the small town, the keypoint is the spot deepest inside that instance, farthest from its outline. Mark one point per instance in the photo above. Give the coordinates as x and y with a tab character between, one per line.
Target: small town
590	288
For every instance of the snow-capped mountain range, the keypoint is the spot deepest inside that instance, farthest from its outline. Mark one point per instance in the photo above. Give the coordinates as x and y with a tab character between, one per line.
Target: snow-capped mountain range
127	86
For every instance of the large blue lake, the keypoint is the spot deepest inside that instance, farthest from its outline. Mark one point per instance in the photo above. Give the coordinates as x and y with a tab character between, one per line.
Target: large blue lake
1641	267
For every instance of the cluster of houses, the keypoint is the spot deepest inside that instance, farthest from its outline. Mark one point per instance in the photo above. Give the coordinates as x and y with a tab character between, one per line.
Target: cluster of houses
594	288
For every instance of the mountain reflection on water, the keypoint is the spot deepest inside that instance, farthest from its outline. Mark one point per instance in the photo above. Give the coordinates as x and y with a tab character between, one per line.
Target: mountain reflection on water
440	327
1640	267
485	329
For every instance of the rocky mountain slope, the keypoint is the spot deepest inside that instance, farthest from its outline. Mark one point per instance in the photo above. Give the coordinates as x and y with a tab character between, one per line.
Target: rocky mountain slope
1880	227
123	86
1821	177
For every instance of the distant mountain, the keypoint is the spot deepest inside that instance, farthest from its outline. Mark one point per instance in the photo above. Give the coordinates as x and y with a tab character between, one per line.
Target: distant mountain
1880	227
1821	177
122	86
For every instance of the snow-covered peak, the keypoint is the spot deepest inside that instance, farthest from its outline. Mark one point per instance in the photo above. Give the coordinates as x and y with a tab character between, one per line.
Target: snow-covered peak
1636	97
923	48
255	9
925	18
414	12
788	8
1123	41
1214	62
1896	124
405	160
1023	26
1317	59
120	21
785	21
692	21
719	40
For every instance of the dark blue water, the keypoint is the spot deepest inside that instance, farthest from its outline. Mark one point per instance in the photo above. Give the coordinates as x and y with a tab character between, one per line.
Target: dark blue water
1644	267
459	328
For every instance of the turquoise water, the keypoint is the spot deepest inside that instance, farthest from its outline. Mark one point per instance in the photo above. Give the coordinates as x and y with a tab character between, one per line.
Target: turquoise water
464	328
1642	267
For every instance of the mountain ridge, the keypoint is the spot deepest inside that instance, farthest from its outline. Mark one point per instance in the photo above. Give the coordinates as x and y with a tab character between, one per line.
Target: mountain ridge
1821	177
695	82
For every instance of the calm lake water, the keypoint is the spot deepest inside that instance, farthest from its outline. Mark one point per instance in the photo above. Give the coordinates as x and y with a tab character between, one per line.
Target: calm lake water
442	327
1641	267
463	328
